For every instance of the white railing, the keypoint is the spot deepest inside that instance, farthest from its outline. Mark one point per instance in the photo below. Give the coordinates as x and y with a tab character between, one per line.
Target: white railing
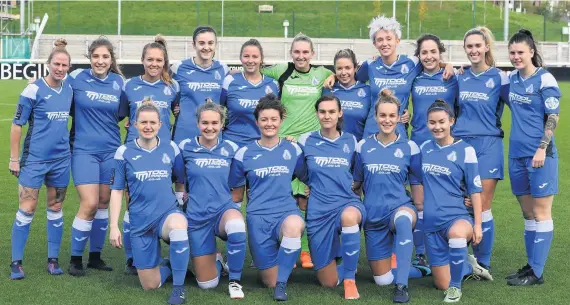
276	50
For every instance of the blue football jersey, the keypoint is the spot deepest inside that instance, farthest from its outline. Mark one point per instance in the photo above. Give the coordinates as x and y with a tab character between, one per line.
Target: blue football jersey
397	77
196	85
327	169
425	90
480	103
355	102
531	100
385	170
207	173
95	111
241	97
46	110
448	173
269	172
147	175
164	97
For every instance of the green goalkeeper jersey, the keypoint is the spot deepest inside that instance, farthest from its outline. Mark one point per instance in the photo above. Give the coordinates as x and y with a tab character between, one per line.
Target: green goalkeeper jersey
299	92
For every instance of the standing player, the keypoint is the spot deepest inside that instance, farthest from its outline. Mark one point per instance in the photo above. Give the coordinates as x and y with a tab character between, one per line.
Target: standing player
145	166
211	211
300	86
200	78
44	105
483	90
156	84
333	209
534	99
428	86
274	223
450	169
391	215
353	95
242	91
95	136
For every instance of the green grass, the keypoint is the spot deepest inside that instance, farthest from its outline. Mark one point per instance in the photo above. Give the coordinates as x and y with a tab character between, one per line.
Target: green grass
342	19
116	288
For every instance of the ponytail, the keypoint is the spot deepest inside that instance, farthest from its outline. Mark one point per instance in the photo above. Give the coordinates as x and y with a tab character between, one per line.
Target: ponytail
489	40
525	36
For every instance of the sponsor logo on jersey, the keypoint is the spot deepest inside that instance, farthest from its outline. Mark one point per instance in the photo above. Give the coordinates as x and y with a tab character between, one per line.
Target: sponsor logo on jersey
167	91
190	72
473	96
217	75
242	87
346	149
361	92
466	79
320	143
286	155
452	156
152	175
371	150
477	181
165	159
383	168
551	103
256	156
519	99
57	115
103	98
199	86
490	84
331	161
137	88
435	170
245	103
543	185
211	162
136	157
301	90
430	90
268	90
158	104
47	97
390	82
90	80
271	171
351	105
398	153
529	89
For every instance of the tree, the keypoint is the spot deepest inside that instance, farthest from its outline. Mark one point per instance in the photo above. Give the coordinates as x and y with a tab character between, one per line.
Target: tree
421	12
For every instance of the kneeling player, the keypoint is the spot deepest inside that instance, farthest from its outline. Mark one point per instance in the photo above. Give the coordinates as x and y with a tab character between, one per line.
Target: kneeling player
145	167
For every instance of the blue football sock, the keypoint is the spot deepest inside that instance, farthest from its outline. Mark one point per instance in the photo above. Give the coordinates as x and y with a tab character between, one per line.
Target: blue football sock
287	256
235	229
414	273
179	255
403	245
219	267
529	234
340	272
350	240
99	231
54	232
127	236
20	233
484	249
457	257
542	241
165	273
419	235
80	231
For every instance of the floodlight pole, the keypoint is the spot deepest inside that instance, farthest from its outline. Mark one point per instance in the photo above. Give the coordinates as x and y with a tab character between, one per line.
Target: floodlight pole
119	19
506	19
394	9
222	18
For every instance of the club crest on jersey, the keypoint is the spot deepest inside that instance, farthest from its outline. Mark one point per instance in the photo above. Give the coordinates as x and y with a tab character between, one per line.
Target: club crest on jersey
452	156
167	91
398	153
552	103
529	89
405	69
286	155
346	149
477	181
224	152
268	90
361	93
217	75
165	159
116	86
314	81
490	84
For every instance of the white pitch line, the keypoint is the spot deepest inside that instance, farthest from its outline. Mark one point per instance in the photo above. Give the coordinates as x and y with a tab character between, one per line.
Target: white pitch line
5	120
4	104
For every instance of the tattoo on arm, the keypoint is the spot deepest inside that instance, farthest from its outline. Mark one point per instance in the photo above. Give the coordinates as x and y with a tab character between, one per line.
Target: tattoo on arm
549	127
60	194
28	193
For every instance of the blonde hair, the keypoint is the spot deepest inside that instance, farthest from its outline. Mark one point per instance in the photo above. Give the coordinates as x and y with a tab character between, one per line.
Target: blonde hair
59	46
387	96
211	106
302	37
489	40
160	43
382	22
147	105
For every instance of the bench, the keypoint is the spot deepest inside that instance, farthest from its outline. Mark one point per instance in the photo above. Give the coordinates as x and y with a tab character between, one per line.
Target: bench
265	8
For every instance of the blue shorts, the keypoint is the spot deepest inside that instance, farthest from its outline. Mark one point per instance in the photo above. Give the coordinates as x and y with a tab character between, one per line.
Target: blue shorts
490	156
538	182
324	235
146	247
203	236
380	236
92	168
53	174
263	237
437	243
